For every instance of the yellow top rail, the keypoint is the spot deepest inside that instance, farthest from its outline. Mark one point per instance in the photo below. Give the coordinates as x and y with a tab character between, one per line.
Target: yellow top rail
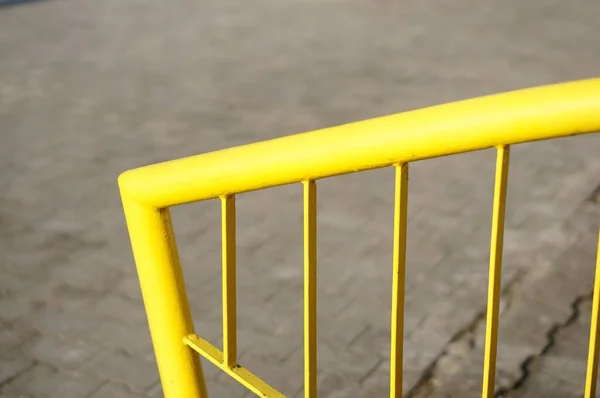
502	119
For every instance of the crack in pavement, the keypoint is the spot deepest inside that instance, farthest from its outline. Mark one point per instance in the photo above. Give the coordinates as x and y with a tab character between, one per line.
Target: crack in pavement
14	376
423	385
551	342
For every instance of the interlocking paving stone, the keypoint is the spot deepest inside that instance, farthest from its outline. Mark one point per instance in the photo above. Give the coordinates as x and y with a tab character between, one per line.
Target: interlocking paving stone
91	88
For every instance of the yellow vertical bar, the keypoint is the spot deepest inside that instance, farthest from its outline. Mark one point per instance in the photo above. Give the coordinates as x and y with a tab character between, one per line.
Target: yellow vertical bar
398	280
310	289
229	282
495	272
594	347
165	299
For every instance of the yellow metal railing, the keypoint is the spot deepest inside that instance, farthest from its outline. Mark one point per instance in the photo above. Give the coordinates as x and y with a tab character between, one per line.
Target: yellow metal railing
148	192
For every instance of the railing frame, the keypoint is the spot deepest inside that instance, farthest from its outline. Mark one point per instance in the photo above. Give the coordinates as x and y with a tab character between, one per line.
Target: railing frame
497	121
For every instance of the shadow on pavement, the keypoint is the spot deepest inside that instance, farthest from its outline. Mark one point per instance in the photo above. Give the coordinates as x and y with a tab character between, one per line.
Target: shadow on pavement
8	3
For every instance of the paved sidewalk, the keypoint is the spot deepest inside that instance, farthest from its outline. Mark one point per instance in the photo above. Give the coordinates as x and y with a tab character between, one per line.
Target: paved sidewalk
91	88
560	373
558	368
538	309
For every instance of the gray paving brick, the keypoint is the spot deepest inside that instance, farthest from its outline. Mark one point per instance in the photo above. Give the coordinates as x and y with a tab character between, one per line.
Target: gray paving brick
13	307
20	395
210	328
227	388
561	372
12	284
268	347
156	390
44	381
339	367
115	334
59	323
92	278
121	308
137	373
11	367
63	354
12	335
286	377
54	295
112	390
130	287
538	303
77	110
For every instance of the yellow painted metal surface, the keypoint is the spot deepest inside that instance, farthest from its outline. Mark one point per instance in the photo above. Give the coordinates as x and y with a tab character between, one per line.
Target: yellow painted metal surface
165	299
495	275
147	193
310	289
502	119
229	282
398	279
239	373
594	346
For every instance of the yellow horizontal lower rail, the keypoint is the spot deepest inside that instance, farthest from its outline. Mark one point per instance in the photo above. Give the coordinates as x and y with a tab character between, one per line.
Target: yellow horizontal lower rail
239	373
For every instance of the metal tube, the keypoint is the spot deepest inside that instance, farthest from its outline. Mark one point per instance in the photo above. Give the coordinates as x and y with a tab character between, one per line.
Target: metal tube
229	282
165	299
495	273
310	289
398	280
